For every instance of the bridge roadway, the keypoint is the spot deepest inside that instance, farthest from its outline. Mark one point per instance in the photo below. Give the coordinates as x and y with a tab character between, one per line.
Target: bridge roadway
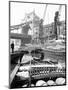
19	36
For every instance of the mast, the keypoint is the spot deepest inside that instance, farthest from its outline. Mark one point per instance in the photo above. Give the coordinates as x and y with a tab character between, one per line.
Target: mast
45	11
60	7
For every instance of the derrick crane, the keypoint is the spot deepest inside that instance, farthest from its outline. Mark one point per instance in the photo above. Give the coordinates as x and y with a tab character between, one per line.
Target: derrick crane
41	25
45	12
60	7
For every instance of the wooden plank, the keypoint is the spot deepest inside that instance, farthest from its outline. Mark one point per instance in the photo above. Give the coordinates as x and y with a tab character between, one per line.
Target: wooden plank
12	75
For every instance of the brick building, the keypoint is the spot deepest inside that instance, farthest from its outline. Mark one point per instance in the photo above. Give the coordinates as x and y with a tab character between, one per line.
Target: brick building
49	29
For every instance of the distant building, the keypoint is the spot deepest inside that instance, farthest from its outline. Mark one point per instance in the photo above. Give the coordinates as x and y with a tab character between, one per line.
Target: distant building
49	29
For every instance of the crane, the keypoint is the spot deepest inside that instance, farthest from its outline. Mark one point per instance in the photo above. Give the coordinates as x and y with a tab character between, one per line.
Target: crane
41	25
45	12
60	7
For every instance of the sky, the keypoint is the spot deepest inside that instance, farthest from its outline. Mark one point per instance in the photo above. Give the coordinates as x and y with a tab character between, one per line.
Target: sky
18	11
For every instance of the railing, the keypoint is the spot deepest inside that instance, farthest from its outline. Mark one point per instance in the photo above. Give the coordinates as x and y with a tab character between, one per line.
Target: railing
41	72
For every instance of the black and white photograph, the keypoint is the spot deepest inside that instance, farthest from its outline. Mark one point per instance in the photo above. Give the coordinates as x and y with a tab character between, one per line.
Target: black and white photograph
37	44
